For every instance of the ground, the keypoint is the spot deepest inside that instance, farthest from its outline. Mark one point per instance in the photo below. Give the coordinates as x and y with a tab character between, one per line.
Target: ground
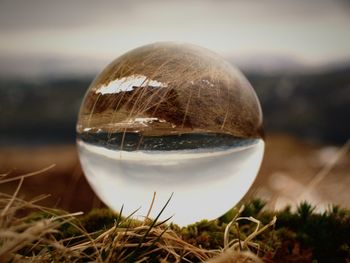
288	168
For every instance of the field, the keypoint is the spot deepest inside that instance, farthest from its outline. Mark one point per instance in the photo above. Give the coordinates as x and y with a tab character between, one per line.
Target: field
32	232
286	176
293	170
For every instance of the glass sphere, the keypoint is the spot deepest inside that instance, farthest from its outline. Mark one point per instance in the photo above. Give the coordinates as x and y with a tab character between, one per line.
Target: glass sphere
170	118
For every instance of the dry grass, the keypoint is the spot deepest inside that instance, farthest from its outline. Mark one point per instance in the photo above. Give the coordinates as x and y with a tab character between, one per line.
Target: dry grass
26	238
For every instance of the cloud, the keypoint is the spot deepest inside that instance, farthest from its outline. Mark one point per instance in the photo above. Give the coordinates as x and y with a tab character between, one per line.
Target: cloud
314	30
17	15
42	14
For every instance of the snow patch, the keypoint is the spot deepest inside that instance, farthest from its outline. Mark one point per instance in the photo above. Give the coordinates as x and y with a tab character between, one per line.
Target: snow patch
127	84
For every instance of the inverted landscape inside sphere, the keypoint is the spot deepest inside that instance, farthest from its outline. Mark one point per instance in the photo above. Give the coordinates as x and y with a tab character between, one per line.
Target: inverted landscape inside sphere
168	89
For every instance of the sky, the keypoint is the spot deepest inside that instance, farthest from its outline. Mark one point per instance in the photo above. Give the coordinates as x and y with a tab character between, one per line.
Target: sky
81	36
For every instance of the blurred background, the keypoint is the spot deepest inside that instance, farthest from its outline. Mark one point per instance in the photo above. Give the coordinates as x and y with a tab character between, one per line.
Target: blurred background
295	53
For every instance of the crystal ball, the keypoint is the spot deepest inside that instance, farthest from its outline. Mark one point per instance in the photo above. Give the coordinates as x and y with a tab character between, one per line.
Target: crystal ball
170	118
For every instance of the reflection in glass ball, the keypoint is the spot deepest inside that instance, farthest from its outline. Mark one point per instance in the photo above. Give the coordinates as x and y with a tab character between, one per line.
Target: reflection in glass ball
171	118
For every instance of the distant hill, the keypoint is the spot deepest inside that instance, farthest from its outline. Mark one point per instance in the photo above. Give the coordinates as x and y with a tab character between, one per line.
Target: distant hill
42	111
313	105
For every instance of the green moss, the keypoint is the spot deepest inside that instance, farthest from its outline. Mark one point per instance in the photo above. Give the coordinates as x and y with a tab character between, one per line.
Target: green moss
206	234
99	219
303	234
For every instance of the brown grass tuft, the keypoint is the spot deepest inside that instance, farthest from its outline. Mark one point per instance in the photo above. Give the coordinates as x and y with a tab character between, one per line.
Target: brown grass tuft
32	233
